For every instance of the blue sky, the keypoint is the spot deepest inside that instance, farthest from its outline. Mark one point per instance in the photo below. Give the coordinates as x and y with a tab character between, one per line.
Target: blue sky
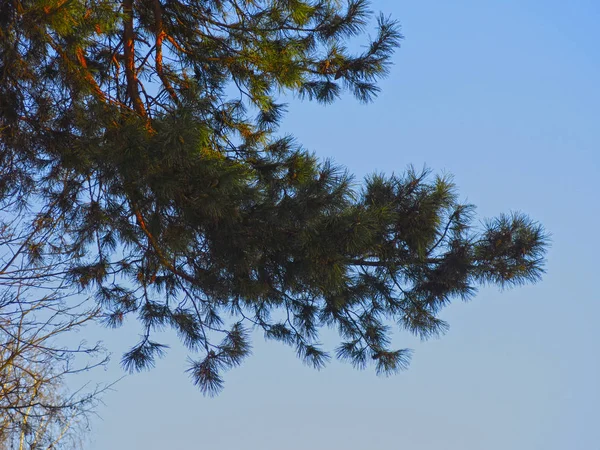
504	95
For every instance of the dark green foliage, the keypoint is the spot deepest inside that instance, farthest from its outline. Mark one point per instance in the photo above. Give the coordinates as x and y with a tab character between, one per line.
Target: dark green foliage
147	128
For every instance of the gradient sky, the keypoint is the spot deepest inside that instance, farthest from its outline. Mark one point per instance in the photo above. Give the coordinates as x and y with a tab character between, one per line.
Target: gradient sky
505	96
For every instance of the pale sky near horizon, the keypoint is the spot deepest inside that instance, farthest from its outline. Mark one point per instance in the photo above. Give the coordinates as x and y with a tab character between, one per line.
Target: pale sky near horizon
505	96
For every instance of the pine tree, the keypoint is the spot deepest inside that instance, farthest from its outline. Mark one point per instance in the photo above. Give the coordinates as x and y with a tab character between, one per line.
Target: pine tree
148	131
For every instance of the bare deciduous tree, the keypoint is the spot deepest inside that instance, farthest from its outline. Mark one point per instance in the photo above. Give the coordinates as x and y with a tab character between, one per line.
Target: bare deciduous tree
38	316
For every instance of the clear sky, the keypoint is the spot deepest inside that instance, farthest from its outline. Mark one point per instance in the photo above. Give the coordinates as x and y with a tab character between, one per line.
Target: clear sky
505	95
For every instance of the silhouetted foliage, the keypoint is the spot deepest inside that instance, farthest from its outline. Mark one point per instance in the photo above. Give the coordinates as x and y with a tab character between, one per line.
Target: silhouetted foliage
149	128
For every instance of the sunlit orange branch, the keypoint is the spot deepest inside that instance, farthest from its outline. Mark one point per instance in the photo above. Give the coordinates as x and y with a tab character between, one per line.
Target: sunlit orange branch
88	76
129	54
160	36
